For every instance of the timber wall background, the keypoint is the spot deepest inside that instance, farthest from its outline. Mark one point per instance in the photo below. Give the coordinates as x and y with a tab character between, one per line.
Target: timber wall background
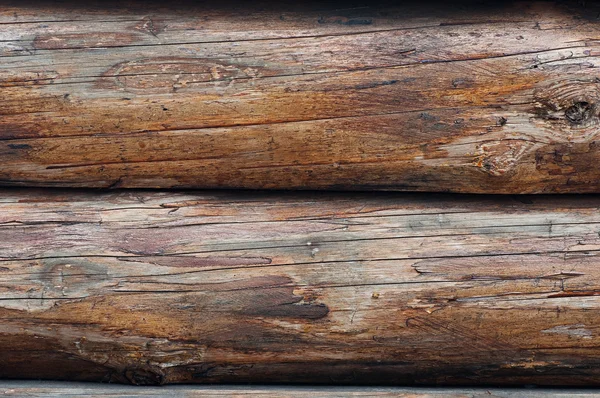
144	286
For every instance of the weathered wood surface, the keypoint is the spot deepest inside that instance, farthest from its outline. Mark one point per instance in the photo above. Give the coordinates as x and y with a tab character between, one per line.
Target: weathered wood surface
452	96
62	389
157	287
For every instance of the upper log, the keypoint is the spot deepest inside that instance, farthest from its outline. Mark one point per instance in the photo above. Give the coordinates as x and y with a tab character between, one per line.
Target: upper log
156	287
454	96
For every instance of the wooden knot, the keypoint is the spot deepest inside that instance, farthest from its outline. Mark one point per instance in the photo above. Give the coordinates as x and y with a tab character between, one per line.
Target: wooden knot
579	112
569	108
498	158
171	74
563	93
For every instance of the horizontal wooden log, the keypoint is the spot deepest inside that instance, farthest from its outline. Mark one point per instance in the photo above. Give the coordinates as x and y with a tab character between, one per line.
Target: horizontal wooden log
454	96
155	287
61	389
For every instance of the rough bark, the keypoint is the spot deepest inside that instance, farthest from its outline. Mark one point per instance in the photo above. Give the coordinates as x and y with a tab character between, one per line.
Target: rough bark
453	96
54	389
154	287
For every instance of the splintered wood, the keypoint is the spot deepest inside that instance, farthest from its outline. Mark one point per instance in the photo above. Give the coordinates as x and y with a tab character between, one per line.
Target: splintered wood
454	96
158	287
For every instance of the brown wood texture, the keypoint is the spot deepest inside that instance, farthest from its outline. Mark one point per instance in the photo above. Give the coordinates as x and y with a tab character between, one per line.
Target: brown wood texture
62	389
430	96
169	287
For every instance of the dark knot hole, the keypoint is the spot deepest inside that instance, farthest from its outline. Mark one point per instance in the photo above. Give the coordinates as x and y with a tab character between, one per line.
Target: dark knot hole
579	113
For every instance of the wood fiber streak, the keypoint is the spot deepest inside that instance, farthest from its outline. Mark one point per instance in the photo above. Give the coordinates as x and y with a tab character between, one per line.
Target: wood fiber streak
466	96
147	287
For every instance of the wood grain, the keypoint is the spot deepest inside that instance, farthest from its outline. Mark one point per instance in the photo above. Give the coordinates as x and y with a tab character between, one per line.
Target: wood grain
456	96
150	287
62	389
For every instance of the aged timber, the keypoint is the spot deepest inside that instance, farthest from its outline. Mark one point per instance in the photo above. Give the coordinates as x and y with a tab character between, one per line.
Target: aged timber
47	389
451	96
155	287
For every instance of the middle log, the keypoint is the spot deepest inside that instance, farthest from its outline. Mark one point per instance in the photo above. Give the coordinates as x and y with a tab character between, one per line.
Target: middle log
154	287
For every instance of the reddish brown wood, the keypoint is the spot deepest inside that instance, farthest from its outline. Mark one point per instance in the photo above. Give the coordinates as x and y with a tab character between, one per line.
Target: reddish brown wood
453	96
173	287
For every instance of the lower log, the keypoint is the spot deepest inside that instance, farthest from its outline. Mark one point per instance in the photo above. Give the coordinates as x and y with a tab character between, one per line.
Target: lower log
61	389
150	288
